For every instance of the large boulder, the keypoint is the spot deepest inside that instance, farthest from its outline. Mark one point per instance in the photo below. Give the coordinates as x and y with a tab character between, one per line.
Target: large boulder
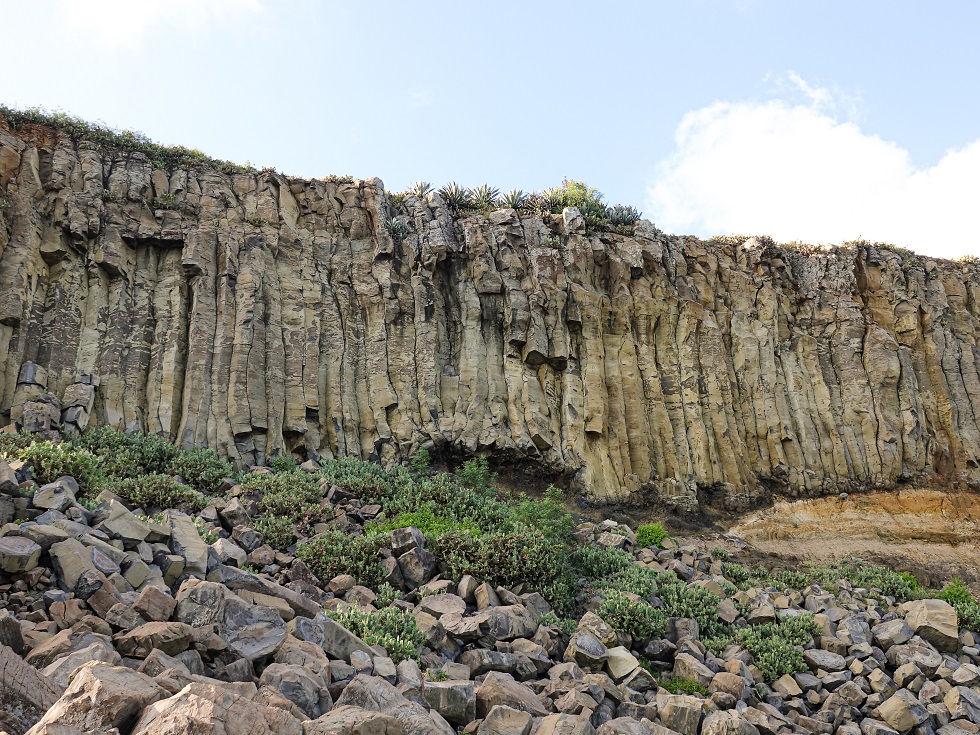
935	621
902	711
351	720
504	720
377	695
501	689
215	710
101	696
18	554
304	687
680	712
251	631
455	700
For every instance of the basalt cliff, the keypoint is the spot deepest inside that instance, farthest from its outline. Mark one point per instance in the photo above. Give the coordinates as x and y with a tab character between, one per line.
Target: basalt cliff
260	314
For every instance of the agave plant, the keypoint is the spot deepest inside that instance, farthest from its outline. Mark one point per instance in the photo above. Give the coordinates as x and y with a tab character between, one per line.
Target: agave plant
485	196
397	229
553	200
621	215
457	197
420	189
514	199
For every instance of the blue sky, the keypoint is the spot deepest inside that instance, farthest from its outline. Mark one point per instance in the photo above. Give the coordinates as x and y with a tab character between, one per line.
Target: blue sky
819	121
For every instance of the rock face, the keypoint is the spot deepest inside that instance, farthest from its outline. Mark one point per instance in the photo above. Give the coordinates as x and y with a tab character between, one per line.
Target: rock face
258	314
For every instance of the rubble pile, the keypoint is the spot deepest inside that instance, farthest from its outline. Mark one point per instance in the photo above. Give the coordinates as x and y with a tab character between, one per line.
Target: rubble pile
115	621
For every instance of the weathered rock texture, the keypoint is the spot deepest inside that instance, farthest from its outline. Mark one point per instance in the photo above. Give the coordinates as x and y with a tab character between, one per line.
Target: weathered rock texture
259	314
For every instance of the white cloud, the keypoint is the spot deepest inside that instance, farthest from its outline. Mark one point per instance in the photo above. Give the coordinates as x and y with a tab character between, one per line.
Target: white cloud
796	172
123	22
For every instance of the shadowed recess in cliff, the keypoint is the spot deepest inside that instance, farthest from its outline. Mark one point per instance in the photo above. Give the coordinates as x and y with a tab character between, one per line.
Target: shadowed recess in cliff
260	314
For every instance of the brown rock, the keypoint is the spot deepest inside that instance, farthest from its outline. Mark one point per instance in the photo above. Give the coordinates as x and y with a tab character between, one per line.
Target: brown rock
872	349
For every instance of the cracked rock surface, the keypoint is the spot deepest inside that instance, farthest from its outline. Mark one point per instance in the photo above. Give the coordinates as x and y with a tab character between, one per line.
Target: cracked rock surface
260	314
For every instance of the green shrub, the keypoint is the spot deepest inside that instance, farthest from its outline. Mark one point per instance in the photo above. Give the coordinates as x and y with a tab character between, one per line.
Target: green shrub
127	141
635	579
551	620
956	591
155	491
11	445
683	686
386	595
200	468
50	461
596	562
720	554
475	473
393	629
650	534
862	574
420	462
775	647
522	556
790	580
968	615
283	463
288	498
128	455
547	515
426	521
697	602
207	535
336	553
635	618
276	531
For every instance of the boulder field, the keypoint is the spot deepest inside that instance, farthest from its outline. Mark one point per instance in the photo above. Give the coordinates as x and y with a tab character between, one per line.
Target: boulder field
112	621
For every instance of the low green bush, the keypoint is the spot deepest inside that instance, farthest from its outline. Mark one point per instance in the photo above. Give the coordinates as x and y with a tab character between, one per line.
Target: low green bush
968	615
683	686
633	617
861	574
276	531
776	647
650	534
128	455
596	562
393	629
155	491
199	467
288	499
283	463
421	462
386	595
475	473
336	553
523	556
50	461
697	602
956	591
426	521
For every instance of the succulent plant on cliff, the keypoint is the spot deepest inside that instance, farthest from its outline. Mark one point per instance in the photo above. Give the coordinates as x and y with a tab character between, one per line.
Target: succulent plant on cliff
457	198
397	229
485	197
420	190
514	199
621	215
